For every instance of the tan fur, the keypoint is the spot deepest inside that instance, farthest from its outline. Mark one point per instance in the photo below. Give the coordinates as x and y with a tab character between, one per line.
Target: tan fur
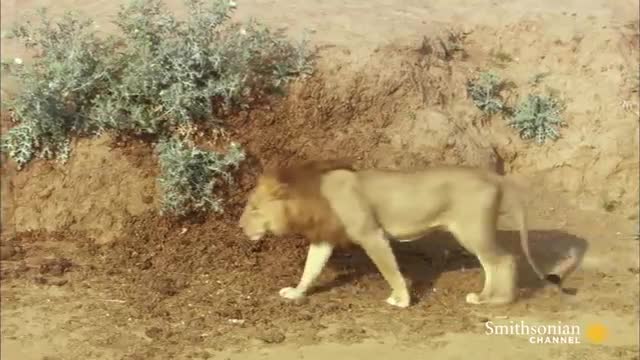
331	203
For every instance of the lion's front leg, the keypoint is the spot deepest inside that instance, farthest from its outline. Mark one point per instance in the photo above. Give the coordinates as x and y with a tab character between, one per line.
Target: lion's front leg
317	258
379	250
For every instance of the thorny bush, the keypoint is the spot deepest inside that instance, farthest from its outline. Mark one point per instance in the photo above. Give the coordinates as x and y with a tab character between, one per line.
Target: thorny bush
537	116
158	74
58	90
485	92
188	175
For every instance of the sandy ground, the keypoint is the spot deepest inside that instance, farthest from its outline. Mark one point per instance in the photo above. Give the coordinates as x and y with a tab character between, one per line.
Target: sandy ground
147	291
52	314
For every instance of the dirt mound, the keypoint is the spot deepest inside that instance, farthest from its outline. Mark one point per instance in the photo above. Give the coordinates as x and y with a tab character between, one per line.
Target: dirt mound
100	187
373	111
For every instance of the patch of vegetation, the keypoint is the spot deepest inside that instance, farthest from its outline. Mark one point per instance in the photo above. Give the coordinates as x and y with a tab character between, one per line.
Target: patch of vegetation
157	75
170	70
500	58
452	43
537	117
610	205
445	46
485	92
58	90
538	78
189	175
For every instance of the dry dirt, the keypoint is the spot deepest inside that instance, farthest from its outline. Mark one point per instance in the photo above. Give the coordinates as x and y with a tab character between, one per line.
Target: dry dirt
90	271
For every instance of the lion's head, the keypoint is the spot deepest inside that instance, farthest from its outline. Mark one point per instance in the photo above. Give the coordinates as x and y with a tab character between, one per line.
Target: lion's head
288	199
265	210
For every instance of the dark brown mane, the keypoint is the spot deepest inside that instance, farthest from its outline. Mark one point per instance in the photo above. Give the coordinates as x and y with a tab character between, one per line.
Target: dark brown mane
308	211
309	170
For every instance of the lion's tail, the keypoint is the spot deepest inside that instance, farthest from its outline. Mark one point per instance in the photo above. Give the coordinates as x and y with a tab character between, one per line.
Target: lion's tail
513	198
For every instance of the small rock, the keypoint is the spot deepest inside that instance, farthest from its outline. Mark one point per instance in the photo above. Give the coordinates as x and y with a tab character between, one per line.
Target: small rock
55	267
272	336
153	332
201	355
146	264
58	282
167	287
46	193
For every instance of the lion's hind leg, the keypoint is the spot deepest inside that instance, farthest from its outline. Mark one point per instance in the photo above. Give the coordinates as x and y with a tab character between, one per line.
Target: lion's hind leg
499	265
499	287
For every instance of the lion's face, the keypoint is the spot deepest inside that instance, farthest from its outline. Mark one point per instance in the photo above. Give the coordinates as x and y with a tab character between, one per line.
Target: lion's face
263	213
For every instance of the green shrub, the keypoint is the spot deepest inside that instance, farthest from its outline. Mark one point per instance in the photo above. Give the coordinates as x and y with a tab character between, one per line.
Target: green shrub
159	73
170	69
189	176
537	116
57	90
485	92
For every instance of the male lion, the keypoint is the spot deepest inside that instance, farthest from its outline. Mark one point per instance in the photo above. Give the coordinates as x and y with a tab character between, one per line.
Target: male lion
330	203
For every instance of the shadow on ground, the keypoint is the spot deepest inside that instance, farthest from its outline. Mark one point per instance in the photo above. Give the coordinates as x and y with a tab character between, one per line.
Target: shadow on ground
424	260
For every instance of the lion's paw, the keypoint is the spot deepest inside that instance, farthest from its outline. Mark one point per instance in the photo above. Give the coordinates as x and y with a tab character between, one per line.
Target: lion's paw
399	301
473	298
291	293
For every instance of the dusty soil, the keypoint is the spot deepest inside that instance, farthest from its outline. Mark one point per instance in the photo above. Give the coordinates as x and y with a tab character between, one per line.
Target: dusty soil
90	270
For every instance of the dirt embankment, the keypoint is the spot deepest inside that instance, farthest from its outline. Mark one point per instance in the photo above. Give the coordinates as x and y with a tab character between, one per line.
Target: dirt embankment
400	106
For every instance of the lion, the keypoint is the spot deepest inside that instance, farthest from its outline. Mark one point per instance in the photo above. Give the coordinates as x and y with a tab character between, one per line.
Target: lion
332	204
